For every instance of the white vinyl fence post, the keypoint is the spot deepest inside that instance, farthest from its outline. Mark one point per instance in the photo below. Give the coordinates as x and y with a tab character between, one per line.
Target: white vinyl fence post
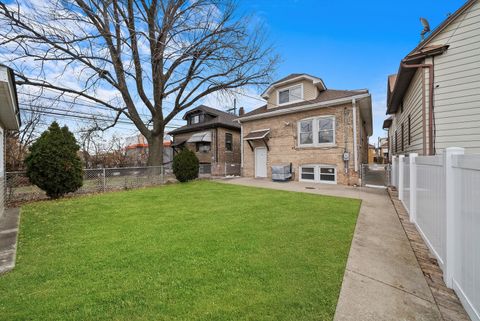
393	178
450	213
413	187
401	160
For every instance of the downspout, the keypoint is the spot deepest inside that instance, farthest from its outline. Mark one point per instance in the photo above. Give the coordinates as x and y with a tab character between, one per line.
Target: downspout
345	138
430	101
355	156
216	144
241	147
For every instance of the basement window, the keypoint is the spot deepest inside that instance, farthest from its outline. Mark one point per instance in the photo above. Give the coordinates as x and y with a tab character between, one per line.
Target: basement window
318	173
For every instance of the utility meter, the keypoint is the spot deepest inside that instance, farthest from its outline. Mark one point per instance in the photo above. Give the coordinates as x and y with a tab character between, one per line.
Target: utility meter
346	156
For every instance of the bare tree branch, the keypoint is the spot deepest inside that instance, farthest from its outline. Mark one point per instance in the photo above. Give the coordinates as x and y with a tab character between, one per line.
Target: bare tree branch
135	56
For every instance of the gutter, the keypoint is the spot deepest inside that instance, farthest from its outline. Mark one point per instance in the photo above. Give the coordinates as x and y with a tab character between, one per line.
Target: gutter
241	148
430	102
355	156
291	110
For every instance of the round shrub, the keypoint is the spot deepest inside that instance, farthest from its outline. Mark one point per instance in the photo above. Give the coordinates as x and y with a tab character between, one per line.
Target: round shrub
53	163
185	165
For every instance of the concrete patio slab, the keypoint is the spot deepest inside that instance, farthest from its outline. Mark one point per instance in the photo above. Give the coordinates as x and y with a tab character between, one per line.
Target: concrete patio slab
383	280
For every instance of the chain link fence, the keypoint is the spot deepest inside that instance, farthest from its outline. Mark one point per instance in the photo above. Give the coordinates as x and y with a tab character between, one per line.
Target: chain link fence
375	175
18	188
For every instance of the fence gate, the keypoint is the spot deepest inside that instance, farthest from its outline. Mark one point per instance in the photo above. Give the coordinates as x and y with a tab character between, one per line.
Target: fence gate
375	175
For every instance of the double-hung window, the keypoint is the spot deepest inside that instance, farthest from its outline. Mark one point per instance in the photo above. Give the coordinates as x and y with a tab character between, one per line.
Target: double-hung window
318	131
326	130
228	142
291	94
306	132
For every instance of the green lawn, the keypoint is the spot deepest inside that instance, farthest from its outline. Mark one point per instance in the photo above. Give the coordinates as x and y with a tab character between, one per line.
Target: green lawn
196	251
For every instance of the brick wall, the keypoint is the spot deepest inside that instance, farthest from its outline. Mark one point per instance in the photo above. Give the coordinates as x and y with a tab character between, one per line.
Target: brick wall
283	143
218	143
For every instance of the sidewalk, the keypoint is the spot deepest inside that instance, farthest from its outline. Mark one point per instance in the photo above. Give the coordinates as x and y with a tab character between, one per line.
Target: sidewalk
383	280
8	239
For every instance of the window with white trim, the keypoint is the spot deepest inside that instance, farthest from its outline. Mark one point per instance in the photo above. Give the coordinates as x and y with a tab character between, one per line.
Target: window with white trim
291	94
307	173
306	132
317	131
326	130
318	173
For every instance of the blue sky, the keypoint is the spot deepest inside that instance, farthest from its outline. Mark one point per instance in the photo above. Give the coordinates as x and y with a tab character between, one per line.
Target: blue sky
350	44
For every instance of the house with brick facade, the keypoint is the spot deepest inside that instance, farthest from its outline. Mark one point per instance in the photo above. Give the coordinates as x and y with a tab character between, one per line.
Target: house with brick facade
321	134
214	137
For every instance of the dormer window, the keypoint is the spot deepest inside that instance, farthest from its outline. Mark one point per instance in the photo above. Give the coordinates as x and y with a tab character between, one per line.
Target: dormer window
195	119
290	94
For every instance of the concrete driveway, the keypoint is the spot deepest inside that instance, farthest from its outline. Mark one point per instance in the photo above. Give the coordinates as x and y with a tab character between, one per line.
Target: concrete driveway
383	280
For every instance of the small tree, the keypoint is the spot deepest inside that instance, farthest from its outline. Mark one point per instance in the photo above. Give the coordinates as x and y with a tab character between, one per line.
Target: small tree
53	163
185	165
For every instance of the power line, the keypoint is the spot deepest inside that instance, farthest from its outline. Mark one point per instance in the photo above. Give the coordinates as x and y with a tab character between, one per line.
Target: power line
90	105
80	116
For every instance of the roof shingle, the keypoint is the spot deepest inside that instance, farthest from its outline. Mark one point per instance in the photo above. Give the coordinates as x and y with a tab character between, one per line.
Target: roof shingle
323	96
222	119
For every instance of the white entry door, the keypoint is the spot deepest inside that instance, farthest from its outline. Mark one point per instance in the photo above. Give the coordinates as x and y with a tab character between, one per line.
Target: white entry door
260	162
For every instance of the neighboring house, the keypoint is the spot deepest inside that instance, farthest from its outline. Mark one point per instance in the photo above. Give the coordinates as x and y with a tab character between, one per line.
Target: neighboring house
136	151
372	153
434	99
213	136
9	120
322	133
383	149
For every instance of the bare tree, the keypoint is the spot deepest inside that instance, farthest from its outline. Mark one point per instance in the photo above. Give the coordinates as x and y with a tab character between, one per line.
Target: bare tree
18	142
144	60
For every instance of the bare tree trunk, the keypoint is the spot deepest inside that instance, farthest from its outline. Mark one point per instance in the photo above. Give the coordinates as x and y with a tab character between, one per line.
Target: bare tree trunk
155	150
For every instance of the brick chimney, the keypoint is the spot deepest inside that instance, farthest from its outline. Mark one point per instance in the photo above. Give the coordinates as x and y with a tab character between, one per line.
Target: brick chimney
241	111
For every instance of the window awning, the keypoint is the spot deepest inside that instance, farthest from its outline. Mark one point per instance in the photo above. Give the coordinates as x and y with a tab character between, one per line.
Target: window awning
200	137
257	135
178	142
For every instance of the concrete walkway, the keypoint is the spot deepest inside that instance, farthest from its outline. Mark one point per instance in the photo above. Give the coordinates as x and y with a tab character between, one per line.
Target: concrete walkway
8	239
383	280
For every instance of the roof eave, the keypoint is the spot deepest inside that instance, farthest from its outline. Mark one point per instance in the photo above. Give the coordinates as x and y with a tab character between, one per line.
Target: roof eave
443	25
296	109
200	128
316	81
405	75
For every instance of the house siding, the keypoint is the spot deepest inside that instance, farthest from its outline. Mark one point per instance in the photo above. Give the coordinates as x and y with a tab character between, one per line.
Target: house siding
413	104
456	91
457	83
310	91
283	143
2	171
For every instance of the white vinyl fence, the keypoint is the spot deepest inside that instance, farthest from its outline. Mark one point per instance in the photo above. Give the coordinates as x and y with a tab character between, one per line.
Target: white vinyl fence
442	196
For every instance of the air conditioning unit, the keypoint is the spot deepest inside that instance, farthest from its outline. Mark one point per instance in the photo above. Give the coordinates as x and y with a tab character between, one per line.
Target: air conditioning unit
282	173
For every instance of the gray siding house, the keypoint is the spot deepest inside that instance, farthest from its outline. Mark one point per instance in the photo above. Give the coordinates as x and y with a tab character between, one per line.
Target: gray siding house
9	120
434	99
